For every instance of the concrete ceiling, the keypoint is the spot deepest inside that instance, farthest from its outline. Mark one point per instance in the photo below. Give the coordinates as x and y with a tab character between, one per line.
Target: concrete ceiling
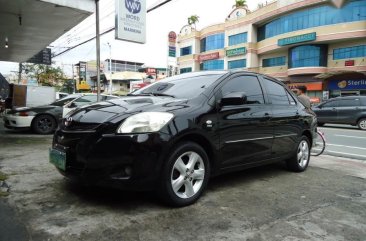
31	25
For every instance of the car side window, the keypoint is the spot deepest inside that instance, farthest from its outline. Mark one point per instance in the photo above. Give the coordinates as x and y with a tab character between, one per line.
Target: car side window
247	84
85	100
349	103
333	103
292	100
276	93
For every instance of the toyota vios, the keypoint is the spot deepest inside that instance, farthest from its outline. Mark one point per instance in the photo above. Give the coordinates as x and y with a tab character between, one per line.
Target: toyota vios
175	134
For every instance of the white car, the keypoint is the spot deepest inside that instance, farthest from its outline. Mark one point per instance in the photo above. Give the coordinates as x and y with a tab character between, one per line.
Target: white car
45	119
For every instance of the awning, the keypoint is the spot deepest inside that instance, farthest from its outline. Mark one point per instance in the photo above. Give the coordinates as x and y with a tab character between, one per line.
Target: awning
341	75
126	75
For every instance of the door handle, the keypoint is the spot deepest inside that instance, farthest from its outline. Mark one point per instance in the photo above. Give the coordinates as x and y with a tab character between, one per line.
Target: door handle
267	116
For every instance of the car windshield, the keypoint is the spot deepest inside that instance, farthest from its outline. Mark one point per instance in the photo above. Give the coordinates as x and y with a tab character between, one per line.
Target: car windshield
184	86
65	100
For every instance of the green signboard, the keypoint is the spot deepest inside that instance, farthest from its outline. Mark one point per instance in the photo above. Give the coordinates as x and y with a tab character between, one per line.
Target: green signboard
235	52
297	39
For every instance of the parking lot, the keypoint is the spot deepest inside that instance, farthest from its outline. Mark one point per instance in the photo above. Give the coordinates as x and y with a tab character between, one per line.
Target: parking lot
327	202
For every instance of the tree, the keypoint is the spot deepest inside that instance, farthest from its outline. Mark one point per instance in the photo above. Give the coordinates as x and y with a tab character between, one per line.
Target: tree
45	75
192	20
241	3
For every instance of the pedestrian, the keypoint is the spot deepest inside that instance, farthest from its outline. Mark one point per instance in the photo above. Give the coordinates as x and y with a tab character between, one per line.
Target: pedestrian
301	94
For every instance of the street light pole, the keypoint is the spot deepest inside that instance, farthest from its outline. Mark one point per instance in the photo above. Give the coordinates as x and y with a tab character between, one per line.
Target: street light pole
98	47
110	69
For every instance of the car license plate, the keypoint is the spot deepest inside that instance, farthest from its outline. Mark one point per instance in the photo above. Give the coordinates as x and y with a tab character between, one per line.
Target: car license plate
58	158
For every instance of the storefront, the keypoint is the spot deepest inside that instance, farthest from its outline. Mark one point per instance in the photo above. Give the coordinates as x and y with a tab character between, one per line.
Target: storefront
314	90
346	87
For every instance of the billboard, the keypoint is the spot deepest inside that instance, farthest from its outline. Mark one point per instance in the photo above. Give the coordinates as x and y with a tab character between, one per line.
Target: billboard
43	57
172	39
131	20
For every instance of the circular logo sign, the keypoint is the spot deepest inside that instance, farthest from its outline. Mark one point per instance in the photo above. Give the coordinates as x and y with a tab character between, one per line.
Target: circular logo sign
342	84
133	6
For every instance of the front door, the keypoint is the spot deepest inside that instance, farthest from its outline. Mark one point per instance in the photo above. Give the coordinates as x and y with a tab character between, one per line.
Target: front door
327	112
348	110
245	131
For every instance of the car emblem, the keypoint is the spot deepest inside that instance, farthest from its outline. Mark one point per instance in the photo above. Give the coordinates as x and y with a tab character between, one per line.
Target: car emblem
68	121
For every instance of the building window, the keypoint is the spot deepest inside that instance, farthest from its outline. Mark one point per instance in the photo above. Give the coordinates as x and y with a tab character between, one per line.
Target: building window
186	51
349	52
215	64
313	17
278	61
236	64
216	41
308	56
238	39
185	70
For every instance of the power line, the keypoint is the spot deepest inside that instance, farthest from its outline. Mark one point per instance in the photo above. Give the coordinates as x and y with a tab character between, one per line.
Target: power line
109	30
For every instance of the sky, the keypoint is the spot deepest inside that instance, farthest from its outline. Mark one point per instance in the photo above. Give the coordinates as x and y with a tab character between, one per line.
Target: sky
170	17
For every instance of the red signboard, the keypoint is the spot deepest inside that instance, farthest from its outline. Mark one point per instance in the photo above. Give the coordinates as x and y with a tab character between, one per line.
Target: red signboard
205	57
349	63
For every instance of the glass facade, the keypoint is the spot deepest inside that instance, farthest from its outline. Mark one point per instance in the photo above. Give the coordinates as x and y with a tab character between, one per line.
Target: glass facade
216	41
277	61
235	64
349	52
186	51
216	64
313	55
238	39
313	17
185	70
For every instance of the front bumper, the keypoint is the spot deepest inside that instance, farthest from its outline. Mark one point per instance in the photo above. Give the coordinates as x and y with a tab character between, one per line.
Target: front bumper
12	121
123	161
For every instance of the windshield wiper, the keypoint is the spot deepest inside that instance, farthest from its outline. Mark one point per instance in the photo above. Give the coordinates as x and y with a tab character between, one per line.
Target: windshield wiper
152	94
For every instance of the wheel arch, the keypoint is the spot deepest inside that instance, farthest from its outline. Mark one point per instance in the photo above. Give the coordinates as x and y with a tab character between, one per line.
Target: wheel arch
307	133
39	114
204	143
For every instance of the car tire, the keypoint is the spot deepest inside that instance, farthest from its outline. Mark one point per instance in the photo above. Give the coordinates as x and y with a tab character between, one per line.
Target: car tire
300	159
43	124
185	175
320	124
362	123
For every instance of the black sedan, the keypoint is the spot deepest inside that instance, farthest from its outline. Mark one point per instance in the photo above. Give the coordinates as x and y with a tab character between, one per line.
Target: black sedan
175	134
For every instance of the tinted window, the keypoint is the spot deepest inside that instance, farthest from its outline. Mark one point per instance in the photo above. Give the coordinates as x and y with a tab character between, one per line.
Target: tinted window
349	102
276	93
248	84
181	86
88	99
330	104
292	100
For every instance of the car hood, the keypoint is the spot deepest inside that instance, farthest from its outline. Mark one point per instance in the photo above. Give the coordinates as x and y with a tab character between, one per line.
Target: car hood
117	110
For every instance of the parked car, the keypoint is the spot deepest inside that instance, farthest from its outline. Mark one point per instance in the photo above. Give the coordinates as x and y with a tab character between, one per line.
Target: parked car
350	110
44	119
175	134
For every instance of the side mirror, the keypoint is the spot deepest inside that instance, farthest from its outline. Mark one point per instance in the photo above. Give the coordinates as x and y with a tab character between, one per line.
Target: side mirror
234	98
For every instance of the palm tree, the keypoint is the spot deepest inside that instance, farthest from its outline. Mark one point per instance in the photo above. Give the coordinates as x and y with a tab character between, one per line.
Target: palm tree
240	3
192	20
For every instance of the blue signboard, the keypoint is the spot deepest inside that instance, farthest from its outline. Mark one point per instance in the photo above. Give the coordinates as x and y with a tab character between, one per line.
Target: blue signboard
347	85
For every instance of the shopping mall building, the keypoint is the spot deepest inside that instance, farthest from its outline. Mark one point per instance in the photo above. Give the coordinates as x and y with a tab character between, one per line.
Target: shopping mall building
317	43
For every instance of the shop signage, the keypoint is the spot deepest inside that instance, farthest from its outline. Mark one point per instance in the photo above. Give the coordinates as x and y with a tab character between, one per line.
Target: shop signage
314	86
347	85
349	63
211	56
82	71
43	57
172	39
131	20
297	39
235	52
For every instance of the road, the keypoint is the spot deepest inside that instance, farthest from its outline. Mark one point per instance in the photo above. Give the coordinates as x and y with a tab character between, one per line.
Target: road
345	141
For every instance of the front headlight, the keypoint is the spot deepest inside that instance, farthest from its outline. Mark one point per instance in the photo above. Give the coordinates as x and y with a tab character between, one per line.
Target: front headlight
145	122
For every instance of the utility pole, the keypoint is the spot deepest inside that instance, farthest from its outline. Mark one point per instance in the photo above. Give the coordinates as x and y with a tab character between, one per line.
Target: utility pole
98	47
110	69
20	72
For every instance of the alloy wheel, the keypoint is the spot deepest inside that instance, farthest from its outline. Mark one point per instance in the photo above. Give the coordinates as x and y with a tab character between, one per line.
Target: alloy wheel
303	153
187	175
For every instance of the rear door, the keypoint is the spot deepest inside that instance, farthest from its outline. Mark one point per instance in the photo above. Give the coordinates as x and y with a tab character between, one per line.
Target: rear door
285	118
348	110
245	132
